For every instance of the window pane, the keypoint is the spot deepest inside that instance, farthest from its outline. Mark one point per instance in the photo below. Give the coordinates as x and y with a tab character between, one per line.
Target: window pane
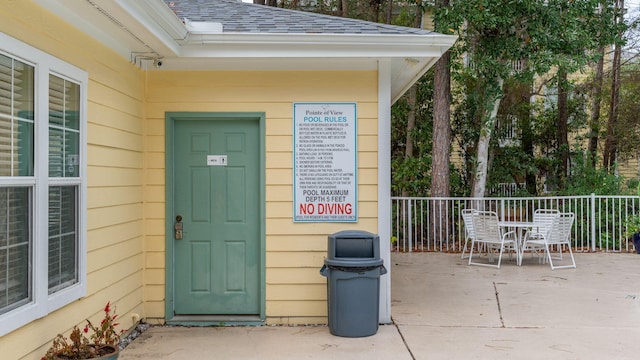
23	98
15	247
63	237
64	126
6	85
72	106
6	150
72	161
16	118
56	152
56	100
16	88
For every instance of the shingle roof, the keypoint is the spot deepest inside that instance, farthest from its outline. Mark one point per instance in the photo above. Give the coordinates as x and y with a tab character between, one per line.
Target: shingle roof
240	17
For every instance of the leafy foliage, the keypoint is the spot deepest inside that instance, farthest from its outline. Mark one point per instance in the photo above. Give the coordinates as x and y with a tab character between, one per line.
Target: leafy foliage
103	340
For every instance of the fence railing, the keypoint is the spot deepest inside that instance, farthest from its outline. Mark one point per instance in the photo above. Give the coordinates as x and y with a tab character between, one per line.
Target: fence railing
435	224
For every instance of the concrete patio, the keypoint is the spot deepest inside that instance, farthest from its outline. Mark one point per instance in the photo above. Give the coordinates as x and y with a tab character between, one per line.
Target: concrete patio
444	309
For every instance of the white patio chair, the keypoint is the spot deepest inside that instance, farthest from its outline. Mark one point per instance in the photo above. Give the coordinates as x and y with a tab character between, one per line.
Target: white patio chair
489	233
469	233
543	218
558	237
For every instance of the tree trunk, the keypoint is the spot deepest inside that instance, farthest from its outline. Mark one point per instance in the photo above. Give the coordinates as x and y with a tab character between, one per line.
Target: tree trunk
610	145
389	12
411	125
527	137
441	128
594	120
488	123
441	122
563	116
345	8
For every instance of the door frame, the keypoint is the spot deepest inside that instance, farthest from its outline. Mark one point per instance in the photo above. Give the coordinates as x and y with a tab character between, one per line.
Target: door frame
170	318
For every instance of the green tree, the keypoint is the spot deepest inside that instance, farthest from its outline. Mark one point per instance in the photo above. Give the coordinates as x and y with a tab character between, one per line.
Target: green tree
498	35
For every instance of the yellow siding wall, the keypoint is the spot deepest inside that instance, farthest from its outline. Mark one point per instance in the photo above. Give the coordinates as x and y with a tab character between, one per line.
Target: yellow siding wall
295	291
115	178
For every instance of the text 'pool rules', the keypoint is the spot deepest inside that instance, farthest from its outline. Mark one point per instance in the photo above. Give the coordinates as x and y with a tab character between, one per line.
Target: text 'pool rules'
324	162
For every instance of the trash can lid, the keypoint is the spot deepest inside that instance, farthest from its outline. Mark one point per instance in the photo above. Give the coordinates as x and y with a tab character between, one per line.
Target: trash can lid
353	262
353	234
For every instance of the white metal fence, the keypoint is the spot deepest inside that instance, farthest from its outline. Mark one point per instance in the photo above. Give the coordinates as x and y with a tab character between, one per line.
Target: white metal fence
435	224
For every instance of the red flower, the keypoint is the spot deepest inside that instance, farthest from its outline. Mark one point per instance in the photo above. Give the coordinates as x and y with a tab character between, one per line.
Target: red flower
86	329
107	308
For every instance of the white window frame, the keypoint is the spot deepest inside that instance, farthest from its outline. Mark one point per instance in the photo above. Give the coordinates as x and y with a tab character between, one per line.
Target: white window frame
42	303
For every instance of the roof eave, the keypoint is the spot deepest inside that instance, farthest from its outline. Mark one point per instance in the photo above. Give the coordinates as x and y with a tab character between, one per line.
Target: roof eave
144	31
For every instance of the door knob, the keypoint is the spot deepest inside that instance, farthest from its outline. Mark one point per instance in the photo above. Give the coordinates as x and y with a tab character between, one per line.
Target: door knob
177	227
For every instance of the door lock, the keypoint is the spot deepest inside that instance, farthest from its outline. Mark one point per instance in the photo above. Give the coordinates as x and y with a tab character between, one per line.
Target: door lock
177	227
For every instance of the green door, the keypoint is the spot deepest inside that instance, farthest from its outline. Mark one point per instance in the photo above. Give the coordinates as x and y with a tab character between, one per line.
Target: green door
216	179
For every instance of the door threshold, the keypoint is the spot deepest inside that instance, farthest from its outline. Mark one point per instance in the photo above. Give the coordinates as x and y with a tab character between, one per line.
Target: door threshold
215	320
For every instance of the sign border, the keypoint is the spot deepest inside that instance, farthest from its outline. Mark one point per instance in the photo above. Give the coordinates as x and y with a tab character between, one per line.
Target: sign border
355	162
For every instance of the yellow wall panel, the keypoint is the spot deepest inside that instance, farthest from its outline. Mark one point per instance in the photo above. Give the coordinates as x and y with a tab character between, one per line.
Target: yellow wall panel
154	177
279	193
309	275
368	143
154	276
102	257
297	308
297	243
115	244
367	193
155	193
297	292
113	118
110	157
280	125
367	176
279	160
367	126
295	259
155	160
111	196
281	209
107	236
103	217
154	312
154	210
101	176
155	260
111	137
154	243
271	93
368	159
155	227
104	95
279	176
154	143
110	278
294	321
368	210
286	226
279	143
154	292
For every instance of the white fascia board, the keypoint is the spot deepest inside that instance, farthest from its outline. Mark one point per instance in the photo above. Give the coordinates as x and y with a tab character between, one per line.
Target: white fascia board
314	45
158	20
151	21
407	82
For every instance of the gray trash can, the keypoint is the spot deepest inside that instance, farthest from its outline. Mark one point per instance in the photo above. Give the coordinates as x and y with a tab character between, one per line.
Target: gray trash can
353	268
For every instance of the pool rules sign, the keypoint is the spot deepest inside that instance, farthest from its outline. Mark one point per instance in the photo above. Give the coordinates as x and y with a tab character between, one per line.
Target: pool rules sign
324	162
